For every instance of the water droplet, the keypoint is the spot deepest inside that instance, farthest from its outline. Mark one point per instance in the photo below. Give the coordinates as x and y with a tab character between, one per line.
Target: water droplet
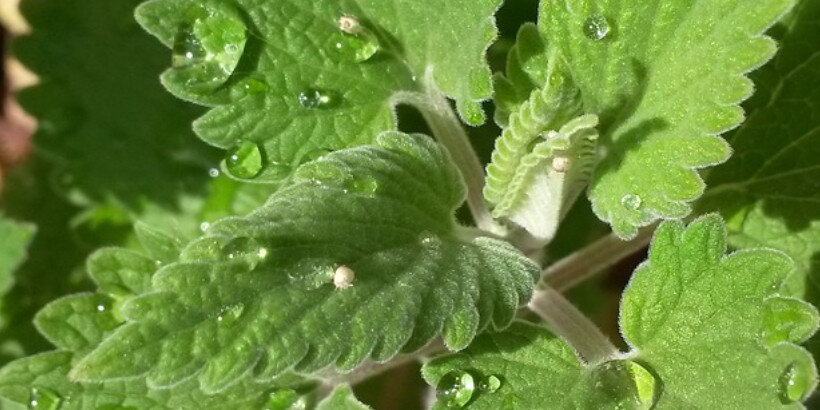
354	42
596	27
313	98
455	389
45	399
248	87
631	202
285	399
101	308
646	384
794	383
207	45
363	185
343	277
245	250
204	227
187	49
245	160
213	173
489	384
230	314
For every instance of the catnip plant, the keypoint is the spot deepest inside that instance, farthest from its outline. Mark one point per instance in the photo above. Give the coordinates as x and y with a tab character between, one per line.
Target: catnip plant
278	204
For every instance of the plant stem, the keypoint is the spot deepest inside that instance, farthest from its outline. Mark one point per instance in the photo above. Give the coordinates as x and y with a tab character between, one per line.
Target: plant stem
563	318
370	368
593	259
446	127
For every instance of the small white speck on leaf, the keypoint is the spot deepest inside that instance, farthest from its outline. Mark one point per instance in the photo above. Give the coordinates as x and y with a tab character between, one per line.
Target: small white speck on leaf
560	164
343	277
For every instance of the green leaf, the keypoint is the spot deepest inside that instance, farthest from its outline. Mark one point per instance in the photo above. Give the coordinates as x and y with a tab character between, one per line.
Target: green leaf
666	79
341	398
535	369
257	293
713	327
285	84
118	138
43	378
768	191
15	240
78	322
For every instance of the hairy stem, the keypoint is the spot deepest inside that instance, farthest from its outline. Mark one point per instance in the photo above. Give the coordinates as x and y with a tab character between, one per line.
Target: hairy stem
563	318
446	127
371	368
593	259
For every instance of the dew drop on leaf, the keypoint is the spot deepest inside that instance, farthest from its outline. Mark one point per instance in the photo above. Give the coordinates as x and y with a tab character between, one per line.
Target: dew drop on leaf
489	384
353	42
312	98
204	227
230	314
794	383
455	389
245	160
285	399
213	173
596	27
187	49
208	45
363	185
246	251
631	202
43	399
646	384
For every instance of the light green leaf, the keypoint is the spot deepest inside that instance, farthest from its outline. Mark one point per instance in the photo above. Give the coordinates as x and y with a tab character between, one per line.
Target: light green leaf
43	378
341	398
666	79
14	239
257	293
769	190
535	369
526	70
286	85
713	327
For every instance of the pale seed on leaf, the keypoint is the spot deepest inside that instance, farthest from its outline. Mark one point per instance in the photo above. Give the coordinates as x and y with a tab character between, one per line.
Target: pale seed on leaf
560	164
343	277
349	24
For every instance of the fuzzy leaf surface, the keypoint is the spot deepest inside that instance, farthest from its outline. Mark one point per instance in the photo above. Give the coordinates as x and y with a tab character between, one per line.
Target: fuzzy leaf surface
257	293
712	327
525	358
769	190
666	78
46	375
285	53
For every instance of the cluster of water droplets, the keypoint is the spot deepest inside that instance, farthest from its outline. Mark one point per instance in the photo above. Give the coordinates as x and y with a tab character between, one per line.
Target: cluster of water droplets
208	45
351	42
457	388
